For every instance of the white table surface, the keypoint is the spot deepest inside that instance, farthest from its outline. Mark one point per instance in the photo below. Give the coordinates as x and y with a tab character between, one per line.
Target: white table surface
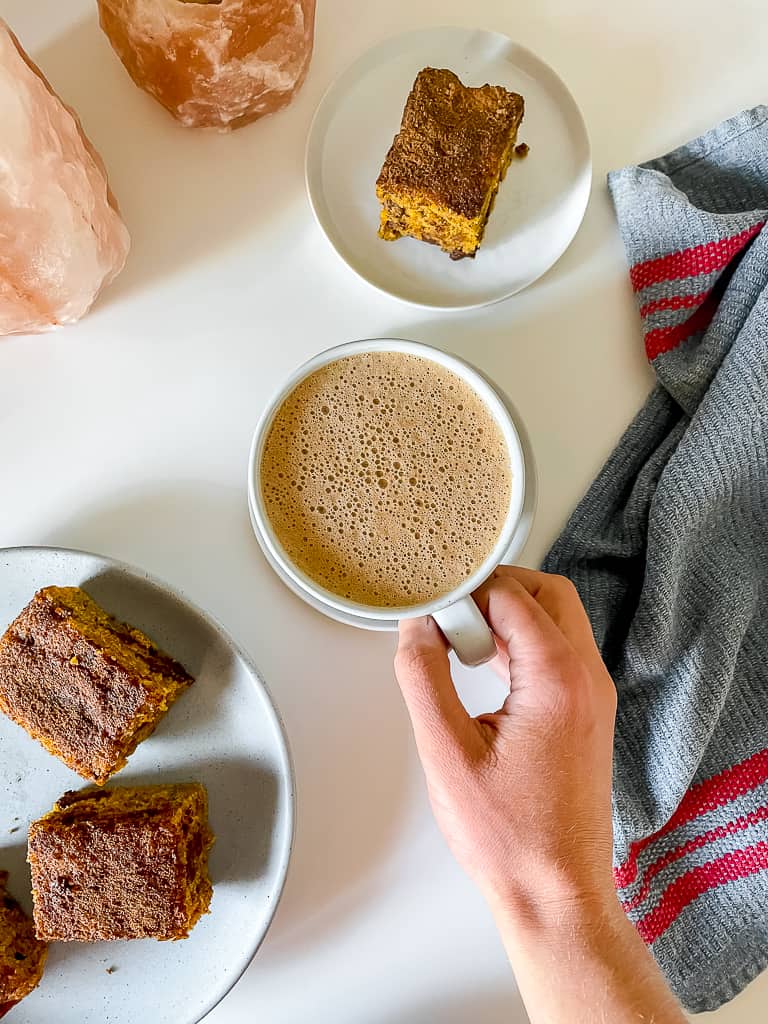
128	435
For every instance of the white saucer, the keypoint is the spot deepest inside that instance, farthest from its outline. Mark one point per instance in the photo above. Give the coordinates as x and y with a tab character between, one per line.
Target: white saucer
512	553
540	203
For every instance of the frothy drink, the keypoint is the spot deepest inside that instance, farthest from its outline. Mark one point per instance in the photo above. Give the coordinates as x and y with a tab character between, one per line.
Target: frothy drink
386	479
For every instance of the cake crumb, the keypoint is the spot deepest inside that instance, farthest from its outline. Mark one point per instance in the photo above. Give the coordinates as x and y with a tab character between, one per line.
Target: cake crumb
522	149
111	970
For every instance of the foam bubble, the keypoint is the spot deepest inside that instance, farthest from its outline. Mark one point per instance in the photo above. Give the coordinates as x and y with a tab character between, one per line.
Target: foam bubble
386	479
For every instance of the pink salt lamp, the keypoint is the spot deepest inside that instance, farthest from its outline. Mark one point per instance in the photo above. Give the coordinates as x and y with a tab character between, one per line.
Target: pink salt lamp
213	63
62	236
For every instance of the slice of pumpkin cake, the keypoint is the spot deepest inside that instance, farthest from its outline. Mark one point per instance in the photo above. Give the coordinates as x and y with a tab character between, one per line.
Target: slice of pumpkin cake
89	688
444	167
22	956
122	863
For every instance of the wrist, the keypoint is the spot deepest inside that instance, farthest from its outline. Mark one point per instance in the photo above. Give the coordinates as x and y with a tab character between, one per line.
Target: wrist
579	935
551	900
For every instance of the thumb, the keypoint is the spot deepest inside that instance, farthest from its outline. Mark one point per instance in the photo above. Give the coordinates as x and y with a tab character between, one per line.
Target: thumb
424	674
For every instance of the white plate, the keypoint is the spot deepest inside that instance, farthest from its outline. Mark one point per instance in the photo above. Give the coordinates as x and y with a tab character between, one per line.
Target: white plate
224	732
512	554
540	203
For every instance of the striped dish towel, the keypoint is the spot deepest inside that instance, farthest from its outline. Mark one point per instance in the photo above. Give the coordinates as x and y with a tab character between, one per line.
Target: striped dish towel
669	550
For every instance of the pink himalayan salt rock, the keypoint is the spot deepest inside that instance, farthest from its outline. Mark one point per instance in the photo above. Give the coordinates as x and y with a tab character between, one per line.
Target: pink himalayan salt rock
63	239
213	63
61	233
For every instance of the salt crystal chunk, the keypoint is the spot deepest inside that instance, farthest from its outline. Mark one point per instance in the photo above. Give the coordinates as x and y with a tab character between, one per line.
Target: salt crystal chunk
62	236
213	63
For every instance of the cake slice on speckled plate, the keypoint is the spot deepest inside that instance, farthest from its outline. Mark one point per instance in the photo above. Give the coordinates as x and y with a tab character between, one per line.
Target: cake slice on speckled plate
89	688
22	956
122	863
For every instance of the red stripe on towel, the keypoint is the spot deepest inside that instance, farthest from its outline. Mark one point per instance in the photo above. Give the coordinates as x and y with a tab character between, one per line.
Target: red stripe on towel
721	832
694	883
704	796
664	339
674	302
699	259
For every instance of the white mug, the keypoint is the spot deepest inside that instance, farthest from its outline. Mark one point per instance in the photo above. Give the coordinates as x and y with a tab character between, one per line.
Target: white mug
455	613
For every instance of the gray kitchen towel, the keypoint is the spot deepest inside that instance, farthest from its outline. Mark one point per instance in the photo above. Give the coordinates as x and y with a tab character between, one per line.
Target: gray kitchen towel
669	551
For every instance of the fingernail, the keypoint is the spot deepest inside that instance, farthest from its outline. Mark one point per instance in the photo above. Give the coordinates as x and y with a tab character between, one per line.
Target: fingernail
421	625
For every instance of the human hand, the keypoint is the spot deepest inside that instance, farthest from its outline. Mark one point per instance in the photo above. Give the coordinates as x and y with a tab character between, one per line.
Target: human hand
523	796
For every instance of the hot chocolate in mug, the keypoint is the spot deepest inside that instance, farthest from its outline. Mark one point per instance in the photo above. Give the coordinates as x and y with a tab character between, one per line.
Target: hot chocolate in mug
454	611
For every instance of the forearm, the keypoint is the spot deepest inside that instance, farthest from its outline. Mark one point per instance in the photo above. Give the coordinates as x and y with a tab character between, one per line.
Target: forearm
582	962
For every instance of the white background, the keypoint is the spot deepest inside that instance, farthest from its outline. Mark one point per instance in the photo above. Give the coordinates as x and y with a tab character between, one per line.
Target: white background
129	434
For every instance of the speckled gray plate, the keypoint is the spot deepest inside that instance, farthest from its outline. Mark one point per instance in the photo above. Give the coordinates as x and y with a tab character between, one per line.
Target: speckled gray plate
223	732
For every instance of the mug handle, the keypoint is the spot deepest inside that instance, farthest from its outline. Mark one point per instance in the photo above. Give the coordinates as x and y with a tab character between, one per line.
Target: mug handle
465	629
